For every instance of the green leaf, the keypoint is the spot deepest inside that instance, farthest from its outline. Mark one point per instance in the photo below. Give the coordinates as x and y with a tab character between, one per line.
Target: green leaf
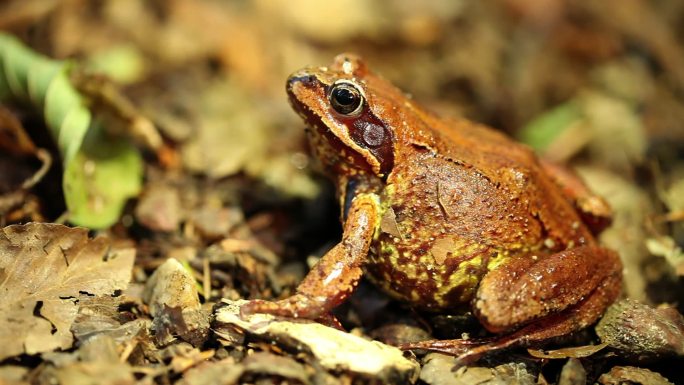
101	176
42	73
61	100
16	60
544	129
71	132
100	172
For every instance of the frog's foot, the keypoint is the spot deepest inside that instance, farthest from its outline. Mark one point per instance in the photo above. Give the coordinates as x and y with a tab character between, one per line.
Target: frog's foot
466	351
297	306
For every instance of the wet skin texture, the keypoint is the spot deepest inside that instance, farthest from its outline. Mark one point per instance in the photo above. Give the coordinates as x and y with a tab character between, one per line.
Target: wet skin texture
441	213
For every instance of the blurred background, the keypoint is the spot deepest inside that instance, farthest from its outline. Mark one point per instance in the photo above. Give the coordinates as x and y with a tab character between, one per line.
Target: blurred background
596	84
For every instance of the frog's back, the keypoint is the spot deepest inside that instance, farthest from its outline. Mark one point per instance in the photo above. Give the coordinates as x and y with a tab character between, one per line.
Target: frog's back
461	205
516	181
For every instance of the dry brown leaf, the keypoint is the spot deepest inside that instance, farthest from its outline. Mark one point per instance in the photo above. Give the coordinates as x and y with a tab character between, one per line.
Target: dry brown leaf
230	132
13	137
262	363
442	248
95	315
572	352
388	224
105	373
335	350
44	270
225	372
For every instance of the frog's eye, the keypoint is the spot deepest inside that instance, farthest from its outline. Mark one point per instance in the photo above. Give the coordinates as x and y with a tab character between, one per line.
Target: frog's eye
346	98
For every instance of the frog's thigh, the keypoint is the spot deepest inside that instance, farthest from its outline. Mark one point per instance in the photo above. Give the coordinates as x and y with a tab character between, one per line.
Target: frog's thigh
561	323
528	287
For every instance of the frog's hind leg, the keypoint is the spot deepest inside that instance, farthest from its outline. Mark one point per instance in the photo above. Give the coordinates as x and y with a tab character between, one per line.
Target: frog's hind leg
529	288
558	324
551	297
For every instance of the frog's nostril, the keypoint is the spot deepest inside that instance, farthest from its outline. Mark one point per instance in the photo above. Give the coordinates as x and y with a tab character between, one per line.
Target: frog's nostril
306	80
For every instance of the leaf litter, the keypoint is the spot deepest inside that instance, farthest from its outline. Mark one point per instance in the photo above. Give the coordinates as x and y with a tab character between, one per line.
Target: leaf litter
230	192
46	270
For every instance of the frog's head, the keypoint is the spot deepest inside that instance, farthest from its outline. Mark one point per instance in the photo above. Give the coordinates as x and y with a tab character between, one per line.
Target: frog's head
352	114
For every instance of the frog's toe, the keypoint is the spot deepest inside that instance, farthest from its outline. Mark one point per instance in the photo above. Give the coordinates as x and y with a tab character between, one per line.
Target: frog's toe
257	306
296	306
466	351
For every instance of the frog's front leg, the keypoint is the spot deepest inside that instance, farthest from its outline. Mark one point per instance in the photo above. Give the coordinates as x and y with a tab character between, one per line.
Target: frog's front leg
336	275
535	299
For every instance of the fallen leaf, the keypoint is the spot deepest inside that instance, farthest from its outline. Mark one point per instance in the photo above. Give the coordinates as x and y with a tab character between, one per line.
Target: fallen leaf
542	131
100	317
44	271
229	134
122	63
608	127
11	374
86	373
99	348
263	363
225	372
92	157
388	223
442	248
95	315
572	352
334	349
13	136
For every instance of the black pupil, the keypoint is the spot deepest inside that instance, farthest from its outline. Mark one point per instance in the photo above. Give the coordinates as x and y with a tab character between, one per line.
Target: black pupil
345	99
344	96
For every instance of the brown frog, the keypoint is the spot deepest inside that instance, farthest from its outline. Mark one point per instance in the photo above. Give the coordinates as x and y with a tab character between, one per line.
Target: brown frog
441	213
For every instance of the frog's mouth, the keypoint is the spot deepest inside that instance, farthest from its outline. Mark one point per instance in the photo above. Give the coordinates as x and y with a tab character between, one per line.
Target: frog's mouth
305	90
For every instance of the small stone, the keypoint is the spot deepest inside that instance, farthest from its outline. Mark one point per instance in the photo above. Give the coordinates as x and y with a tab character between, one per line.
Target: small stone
641	332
